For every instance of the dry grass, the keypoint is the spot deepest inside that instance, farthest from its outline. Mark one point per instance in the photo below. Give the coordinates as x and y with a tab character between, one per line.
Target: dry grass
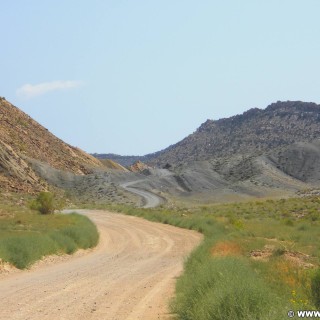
226	248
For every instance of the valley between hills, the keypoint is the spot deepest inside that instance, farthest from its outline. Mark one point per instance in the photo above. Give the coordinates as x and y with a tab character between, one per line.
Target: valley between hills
262	153
250	184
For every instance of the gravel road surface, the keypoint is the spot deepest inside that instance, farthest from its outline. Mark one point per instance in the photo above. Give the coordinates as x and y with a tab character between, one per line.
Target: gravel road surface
129	275
151	200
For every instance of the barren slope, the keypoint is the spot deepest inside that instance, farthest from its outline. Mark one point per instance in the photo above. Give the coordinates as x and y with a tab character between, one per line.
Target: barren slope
109	164
300	160
254	132
130	275
21	138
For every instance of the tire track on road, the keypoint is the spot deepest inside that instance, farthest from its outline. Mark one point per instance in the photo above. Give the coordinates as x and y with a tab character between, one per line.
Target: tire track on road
129	275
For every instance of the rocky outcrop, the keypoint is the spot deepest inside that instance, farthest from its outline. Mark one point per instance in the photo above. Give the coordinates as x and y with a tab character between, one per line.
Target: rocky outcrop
15	173
139	167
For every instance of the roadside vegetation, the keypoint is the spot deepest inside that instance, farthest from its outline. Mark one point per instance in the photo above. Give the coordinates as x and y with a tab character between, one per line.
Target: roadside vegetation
45	203
27	235
258	260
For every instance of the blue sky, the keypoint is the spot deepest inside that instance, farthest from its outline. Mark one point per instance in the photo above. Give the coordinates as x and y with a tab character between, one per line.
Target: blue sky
133	77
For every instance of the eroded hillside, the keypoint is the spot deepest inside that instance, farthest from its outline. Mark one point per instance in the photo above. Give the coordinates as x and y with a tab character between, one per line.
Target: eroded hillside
22	138
252	133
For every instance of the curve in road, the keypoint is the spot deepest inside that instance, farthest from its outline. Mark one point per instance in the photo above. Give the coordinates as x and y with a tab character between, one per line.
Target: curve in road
128	276
151	200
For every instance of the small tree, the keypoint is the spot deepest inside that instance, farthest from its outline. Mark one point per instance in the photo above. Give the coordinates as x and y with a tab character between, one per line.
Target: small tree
44	203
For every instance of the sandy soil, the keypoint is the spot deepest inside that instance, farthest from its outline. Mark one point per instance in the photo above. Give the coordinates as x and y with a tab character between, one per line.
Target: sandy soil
130	275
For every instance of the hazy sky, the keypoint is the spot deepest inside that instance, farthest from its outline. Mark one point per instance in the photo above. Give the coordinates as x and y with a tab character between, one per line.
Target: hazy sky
133	77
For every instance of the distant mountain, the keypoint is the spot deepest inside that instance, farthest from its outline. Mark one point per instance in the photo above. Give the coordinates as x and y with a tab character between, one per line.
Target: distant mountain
254	132
23	140
125	161
260	153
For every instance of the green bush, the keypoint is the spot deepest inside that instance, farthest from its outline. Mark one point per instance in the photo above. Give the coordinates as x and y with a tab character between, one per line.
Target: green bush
44	203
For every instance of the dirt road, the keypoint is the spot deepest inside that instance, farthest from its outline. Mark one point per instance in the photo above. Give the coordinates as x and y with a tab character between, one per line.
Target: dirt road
130	275
151	200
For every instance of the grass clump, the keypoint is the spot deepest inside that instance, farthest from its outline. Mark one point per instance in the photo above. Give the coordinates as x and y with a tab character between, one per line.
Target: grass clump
21	251
278	252
26	236
223	288
83	232
63	234
315	288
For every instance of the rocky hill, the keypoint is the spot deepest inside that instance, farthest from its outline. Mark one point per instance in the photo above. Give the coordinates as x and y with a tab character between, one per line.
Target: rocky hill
272	152
254	132
125	161
23	139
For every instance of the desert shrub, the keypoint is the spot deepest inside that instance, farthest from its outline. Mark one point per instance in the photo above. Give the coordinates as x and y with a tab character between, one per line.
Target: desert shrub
278	252
44	203
315	288
303	227
237	223
288	222
314	216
